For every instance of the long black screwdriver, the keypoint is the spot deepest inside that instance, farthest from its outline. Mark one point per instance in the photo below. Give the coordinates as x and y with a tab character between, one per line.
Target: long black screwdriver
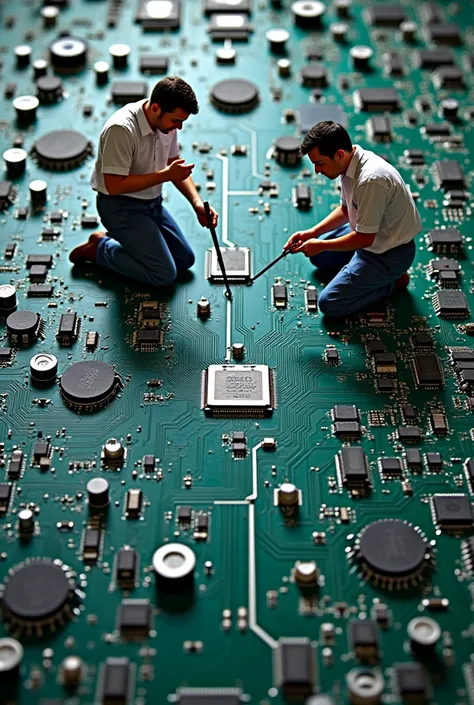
218	250
283	254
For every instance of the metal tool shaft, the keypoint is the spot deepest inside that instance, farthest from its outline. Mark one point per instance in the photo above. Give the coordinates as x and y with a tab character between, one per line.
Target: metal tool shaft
283	254
218	250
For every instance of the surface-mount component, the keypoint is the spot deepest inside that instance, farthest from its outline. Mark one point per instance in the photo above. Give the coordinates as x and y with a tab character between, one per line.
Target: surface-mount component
234	96
23	327
62	150
294	667
237	262
174	565
89	386
238	390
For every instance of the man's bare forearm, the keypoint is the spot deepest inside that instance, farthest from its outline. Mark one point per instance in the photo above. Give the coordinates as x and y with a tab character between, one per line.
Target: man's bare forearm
351	241
188	189
334	220
138	182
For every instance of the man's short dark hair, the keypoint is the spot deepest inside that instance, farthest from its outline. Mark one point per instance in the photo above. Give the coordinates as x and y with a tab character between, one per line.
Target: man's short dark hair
171	93
328	137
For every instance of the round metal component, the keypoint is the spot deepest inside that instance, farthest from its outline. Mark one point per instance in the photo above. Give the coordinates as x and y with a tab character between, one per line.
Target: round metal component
101	69
25	107
26	521
339	31
44	367
174	565
22	55
8	300
238	350
277	39
119	54
38	594
49	13
424	633
287	151
49	89
306	573
226	55
449	108
284	67
234	96
408	30
40	68
287	494
365	686
62	149
361	56
203	308
38	192
308	13
11	656
113	449
314	76
71	671
87	386
22	327
98	492
68	54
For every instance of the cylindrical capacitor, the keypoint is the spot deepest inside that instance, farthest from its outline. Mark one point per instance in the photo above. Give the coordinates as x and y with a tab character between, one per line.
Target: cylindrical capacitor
449	108
287	151
287	494
15	161
119	54
11	656
361	56
101	69
306	573
98	492
44	367
38	193
174	565
49	89
284	67
26	521
71	671
277	39
8	300
339	31
408	30
22	56
25	107
342	7
308	13
203	308
49	13
40	68
424	634
238	350
113	449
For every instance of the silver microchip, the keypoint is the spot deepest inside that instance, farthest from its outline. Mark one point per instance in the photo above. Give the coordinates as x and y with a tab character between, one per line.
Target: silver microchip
241	390
236	262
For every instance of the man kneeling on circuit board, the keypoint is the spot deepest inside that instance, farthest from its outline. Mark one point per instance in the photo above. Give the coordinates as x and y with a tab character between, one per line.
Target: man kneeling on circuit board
369	239
138	152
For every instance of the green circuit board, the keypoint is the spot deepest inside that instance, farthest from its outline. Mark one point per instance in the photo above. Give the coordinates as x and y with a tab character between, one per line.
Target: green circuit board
207	501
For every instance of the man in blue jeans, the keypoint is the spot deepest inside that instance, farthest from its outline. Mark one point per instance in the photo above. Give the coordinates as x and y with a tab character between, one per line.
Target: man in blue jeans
138	152
370	236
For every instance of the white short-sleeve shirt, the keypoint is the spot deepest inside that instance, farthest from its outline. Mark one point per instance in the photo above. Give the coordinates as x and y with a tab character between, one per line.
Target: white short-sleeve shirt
378	201
128	145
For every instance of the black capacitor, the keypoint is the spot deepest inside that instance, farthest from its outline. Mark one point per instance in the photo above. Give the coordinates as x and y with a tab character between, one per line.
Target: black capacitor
15	162
23	327
308	13
277	39
44	367
101	69
40	68
119	54
49	14
343	7
49	89
98	493
68	54
38	193
8	300
424	633
25	107
361	56
314	76
22	56
449	108
287	151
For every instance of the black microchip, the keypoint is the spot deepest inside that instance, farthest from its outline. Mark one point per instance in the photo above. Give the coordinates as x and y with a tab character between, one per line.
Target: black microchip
432	58
347	429
10	248
393	63
453	510
363	637
302	197
376	346
332	355
311	298
345	413
422	340
451	303
148	463
5	494
450	174
202	522
209	696
447	240
148	336
47	260
377	99
238	437
437	129
385	363
38	273
386	15
50	234
445	33
56	217
154	64
409	412
448	280
414	157
413	458
41	449
390	466
438	422
428	371
353	466
89	221
40	290
411	682
116	679
92	540
10	90
469	470
434	461
5	354
126	566
67	324
409	434
466	379
134	616
448	77
380	129
385	384
295	667
184	515
461	355
128	91
280	295
239	449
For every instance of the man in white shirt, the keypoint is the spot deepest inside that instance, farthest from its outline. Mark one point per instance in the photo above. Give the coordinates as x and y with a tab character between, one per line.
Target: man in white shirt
370	235
138	152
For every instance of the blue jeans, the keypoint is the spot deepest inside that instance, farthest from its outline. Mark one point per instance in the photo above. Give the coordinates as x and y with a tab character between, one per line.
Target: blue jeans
364	278
144	241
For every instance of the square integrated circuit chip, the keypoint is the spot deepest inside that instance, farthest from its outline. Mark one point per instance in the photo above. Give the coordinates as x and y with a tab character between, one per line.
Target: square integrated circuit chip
236	262
238	390
453	511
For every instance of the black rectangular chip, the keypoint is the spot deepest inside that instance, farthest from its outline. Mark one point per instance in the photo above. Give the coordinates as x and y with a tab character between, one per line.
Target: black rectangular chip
128	91
47	260
413	458
432	58
409	434
154	64
379	128
116	681
353	466
451	304
383	15
411	682
209	696
363	638
377	99
428	371
345	413
126	565
294	667
390	466
469	470
453	511
40	291
450	174
347	429
447	240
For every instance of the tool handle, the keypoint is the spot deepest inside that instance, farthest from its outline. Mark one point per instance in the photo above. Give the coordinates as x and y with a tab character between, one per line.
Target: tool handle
207	210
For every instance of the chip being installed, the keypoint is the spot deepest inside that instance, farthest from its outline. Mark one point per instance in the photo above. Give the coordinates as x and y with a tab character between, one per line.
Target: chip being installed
238	390
236	262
